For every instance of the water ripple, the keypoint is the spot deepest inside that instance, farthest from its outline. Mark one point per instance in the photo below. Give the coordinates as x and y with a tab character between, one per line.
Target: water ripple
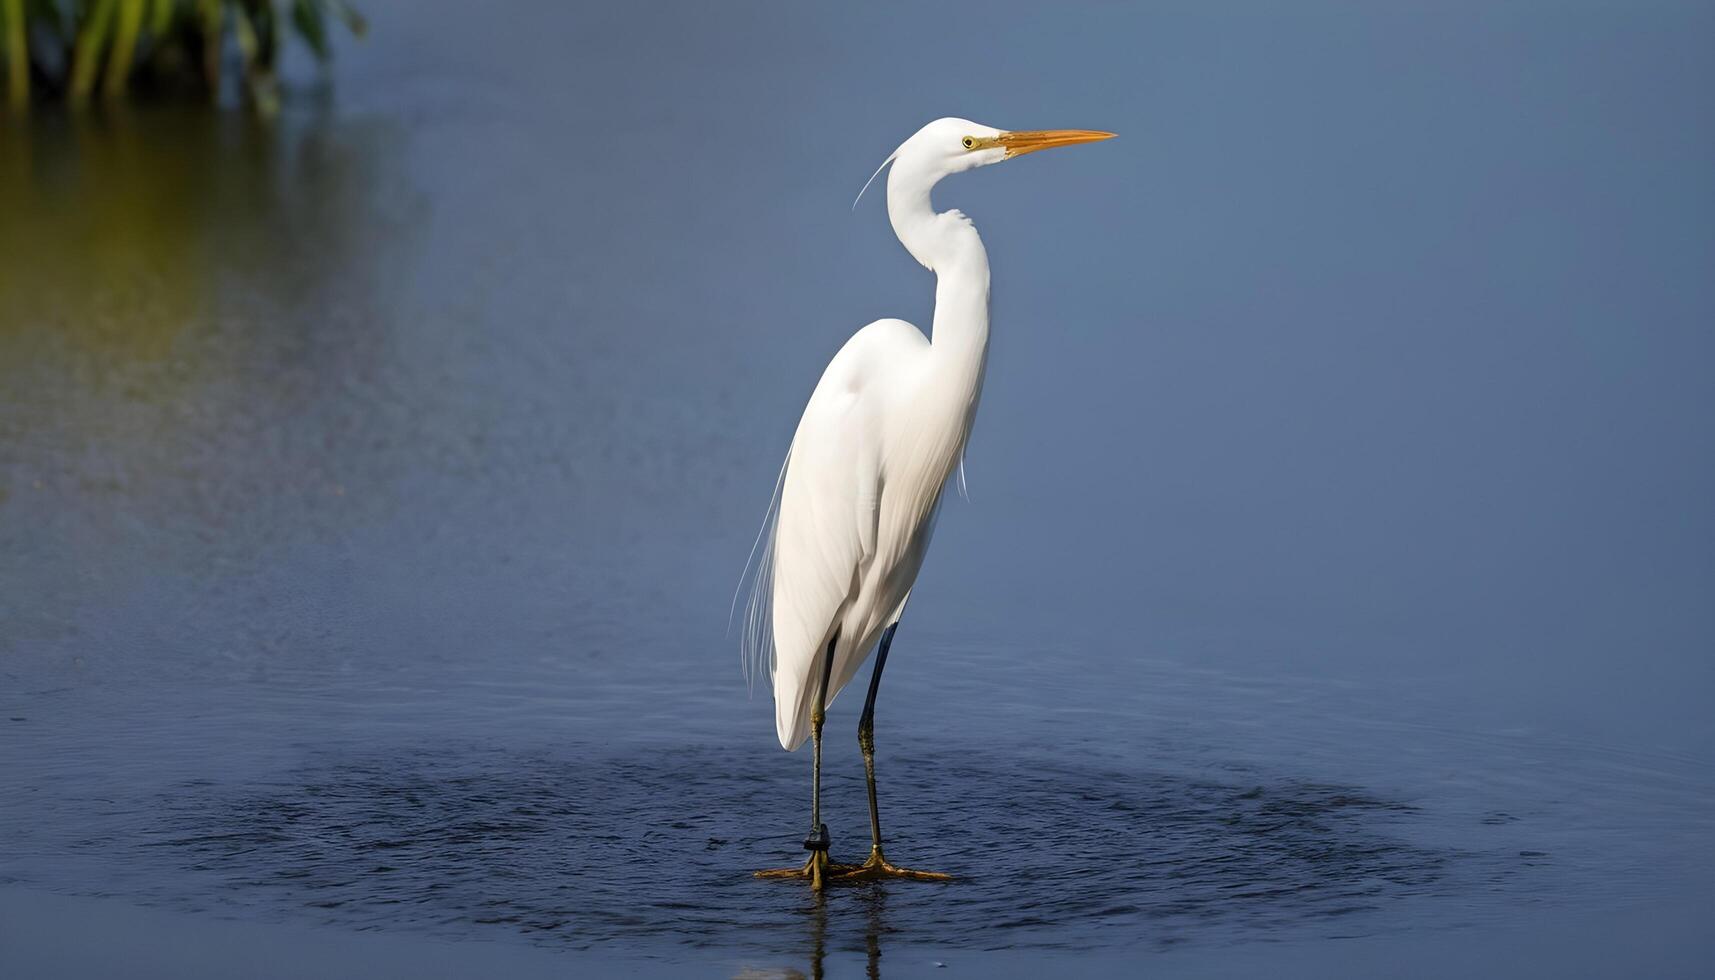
658	844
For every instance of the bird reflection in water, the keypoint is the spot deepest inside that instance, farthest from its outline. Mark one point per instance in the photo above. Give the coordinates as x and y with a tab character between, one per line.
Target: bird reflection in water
871	901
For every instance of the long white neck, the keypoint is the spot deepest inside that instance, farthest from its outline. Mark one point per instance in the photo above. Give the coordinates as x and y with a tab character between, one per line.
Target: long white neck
947	245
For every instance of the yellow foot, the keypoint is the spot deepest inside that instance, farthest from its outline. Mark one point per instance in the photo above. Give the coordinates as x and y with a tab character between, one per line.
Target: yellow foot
877	867
816	870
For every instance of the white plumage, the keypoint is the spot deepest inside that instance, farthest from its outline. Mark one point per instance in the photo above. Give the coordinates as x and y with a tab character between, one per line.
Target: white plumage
856	510
859	492
881	435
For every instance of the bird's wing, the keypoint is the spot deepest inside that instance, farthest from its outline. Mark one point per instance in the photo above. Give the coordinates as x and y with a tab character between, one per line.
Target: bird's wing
825	532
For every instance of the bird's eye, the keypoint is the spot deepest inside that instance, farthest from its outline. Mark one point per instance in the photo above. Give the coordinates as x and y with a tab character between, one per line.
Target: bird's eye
970	142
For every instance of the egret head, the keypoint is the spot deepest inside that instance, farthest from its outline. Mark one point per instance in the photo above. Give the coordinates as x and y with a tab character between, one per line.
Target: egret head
952	145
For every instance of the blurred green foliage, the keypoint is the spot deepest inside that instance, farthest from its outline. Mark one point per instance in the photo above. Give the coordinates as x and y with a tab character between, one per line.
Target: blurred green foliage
73	49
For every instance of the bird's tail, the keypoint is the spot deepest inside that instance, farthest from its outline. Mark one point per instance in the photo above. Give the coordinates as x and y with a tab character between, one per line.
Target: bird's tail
792	703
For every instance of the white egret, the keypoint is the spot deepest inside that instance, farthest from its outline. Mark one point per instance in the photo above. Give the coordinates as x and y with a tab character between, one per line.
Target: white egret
858	495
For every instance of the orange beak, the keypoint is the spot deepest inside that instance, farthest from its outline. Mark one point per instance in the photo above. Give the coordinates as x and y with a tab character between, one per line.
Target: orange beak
1029	141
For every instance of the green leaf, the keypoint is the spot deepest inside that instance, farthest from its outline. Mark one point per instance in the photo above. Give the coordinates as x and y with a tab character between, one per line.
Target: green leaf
86	54
124	47
209	14
258	72
17	54
162	18
312	27
246	34
354	21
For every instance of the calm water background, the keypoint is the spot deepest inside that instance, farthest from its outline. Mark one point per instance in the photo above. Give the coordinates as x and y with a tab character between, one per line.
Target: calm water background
1338	559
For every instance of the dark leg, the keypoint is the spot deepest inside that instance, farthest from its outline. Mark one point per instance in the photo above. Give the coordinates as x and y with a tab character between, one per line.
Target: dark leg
818	841
866	736
877	865
818	867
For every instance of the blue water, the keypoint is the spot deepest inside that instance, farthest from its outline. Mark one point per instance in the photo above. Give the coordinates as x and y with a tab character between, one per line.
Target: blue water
584	802
373	486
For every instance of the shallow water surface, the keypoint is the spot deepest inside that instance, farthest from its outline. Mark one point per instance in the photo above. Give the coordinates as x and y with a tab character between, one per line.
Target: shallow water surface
521	810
